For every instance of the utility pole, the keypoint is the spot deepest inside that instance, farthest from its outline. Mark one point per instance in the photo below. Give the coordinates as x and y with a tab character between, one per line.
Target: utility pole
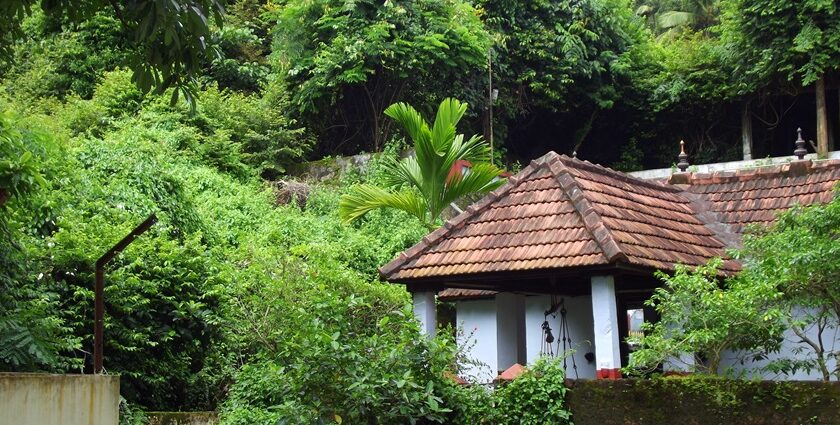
491	100
99	289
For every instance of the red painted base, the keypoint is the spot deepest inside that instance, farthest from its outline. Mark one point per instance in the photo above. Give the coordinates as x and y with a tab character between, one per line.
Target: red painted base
608	374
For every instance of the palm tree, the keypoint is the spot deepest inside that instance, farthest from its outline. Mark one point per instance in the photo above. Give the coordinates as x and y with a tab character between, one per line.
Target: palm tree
422	185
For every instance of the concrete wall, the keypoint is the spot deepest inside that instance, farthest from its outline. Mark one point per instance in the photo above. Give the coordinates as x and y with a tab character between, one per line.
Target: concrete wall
510	330
660	173
479	334
739	363
182	418
581	331
43	399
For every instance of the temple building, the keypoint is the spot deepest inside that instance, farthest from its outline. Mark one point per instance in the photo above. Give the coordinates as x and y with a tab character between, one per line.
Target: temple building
562	257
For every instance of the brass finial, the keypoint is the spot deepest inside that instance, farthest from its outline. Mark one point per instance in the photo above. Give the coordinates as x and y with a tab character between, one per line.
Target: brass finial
800	150
683	157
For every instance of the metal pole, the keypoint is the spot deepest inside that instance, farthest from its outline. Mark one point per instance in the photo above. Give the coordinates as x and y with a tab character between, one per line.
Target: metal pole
490	98
99	319
99	289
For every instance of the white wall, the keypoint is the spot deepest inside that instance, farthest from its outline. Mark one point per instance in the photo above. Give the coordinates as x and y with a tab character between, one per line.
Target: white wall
477	326
727	166
791	348
581	331
510	330
477	333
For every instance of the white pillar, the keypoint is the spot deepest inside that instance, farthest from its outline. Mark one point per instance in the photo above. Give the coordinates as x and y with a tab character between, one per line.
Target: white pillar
510	330
605	318
425	311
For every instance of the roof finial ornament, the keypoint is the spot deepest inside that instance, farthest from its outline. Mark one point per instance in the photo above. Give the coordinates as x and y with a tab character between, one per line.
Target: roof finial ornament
800	150
683	157
574	154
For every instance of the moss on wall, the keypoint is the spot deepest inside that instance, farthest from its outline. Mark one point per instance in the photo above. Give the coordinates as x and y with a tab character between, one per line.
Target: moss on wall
703	400
182	418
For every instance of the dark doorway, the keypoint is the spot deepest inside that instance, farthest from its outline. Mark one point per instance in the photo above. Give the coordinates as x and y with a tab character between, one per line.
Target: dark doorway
632	312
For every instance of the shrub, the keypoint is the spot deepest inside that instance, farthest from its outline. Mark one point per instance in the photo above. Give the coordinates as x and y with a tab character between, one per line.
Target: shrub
538	396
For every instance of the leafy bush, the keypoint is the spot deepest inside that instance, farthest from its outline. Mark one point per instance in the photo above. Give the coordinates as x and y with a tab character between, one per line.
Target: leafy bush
342	360
702	317
538	396
32	333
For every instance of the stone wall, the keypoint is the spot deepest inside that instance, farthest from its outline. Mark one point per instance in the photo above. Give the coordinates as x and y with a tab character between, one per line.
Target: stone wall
698	401
182	418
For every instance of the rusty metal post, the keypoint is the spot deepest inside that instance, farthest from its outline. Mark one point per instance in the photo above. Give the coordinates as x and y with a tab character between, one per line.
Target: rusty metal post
99	318
99	289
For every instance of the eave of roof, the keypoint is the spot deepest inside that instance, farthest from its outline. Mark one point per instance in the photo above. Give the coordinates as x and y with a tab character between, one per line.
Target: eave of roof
623	218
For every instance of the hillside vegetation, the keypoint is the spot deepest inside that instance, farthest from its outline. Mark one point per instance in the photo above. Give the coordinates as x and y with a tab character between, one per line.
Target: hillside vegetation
273	312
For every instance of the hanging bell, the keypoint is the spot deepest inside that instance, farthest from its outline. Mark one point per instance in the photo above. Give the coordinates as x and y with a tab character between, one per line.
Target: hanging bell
549	337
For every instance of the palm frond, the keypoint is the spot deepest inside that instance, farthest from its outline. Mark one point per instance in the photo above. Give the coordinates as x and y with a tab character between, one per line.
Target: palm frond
481	178
416	127
448	115
473	150
404	172
364	198
421	185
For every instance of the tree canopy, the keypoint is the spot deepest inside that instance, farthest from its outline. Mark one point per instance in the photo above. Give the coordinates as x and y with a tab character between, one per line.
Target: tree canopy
168	39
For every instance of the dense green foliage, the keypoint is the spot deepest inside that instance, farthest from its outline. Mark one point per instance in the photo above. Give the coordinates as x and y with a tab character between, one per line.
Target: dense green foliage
170	329
789	282
793	41
167	39
701	320
619	82
275	312
796	262
345	62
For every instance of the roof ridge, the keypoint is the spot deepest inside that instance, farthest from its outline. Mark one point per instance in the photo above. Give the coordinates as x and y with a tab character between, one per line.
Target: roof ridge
592	221
458	221
787	169
618	175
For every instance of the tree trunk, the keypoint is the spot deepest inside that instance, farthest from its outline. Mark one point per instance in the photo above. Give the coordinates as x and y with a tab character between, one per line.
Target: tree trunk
746	130
822	119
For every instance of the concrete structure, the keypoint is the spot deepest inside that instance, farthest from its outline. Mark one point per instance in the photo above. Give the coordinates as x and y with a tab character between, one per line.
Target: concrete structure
425	312
182	418
606	328
43	399
664	173
567	239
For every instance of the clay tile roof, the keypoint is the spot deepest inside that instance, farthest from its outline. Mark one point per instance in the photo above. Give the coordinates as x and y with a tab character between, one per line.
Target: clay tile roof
561	212
758	195
451	294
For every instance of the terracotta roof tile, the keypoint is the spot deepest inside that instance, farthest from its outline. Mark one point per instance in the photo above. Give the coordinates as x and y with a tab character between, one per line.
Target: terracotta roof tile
559	213
457	293
757	196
